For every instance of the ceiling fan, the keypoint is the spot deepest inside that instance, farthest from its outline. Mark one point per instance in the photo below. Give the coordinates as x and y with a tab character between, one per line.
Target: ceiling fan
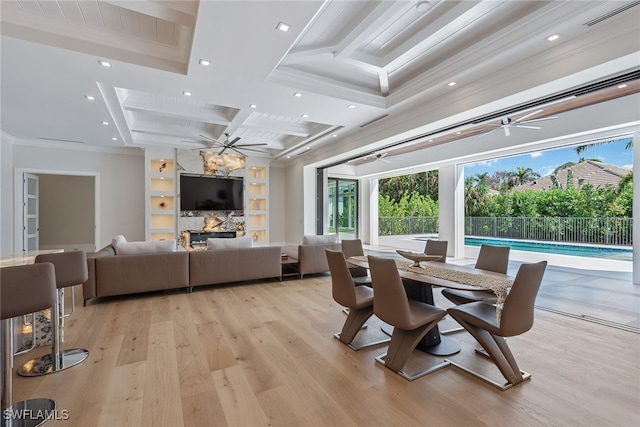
231	144
522	122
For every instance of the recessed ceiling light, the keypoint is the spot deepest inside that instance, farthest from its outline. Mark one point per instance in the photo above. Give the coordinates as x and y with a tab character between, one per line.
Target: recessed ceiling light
553	37
335	135
90	98
104	63
205	62
288	157
305	116
283	27
431	140
458	133
351	106
105	123
452	83
308	148
114	139
253	106
622	86
186	93
297	94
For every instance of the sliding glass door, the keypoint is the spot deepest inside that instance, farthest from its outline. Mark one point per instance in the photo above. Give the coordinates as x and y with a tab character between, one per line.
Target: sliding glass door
342	208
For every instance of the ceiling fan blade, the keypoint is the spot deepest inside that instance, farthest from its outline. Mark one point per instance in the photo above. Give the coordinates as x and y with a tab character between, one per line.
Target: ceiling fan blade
210	139
488	132
526	116
252	145
236	139
237	151
223	150
251	149
542	119
527	126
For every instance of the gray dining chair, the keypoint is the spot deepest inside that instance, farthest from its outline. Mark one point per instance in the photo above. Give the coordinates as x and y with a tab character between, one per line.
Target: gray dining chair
411	319
358	299
490	258
437	247
353	247
480	319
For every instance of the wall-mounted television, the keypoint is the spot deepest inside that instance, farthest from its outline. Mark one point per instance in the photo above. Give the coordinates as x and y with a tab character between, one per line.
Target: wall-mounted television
211	193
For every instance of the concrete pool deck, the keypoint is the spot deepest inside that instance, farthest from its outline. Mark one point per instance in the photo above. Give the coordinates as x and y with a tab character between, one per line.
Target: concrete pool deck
409	242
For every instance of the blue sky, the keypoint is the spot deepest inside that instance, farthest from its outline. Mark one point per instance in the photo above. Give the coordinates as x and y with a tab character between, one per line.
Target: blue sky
544	162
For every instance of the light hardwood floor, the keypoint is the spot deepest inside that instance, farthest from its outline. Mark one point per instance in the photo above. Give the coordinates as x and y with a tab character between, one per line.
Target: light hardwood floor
262	354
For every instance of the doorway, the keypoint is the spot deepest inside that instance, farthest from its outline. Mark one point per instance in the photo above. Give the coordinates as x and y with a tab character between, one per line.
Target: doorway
342	207
67	215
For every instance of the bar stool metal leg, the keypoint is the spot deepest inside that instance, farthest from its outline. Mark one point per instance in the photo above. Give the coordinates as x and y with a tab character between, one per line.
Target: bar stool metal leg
27	413
58	359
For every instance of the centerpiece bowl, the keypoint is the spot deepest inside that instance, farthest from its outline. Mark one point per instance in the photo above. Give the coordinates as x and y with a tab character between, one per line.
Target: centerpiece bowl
416	257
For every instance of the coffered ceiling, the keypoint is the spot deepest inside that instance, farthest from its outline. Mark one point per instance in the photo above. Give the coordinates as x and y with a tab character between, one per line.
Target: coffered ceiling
342	66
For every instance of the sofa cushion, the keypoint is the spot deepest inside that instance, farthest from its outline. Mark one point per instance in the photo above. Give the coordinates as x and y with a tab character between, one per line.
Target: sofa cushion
238	242
117	240
319	240
160	246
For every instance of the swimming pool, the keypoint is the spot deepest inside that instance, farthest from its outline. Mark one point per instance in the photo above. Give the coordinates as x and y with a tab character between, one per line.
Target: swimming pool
607	252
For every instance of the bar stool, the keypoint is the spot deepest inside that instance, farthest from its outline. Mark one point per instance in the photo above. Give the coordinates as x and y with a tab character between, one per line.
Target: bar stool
24	289
71	270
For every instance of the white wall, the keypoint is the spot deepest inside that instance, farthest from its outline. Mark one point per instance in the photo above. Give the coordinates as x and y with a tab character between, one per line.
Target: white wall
294	204
121	193
277	202
6	195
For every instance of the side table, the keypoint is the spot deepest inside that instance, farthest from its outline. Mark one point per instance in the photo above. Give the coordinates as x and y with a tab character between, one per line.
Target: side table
289	267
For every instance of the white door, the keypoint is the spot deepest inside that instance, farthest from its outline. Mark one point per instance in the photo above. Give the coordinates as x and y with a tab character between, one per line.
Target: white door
30	220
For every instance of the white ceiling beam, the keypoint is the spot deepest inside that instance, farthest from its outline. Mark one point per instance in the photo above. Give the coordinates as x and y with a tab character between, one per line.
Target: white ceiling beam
383	14
190	112
279	126
448	25
237	121
384	83
160	10
307	55
168	130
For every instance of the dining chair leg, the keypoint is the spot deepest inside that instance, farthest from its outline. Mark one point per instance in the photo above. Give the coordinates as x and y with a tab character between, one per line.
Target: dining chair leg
500	353
354	324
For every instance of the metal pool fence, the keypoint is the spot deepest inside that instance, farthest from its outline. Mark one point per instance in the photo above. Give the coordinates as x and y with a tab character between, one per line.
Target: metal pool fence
603	231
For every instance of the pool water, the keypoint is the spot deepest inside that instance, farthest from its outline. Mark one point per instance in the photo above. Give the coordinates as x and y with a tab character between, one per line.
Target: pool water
607	252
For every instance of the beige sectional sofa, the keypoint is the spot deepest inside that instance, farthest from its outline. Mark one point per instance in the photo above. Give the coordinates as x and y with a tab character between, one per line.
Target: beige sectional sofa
111	274
311	253
215	266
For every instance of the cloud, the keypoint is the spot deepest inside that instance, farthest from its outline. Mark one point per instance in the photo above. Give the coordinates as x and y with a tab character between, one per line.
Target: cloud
536	154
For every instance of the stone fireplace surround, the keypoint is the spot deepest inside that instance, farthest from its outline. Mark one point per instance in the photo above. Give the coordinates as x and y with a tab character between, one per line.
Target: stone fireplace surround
222	224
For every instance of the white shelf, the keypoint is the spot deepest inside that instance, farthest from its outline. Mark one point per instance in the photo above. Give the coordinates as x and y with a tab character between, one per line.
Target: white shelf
160	188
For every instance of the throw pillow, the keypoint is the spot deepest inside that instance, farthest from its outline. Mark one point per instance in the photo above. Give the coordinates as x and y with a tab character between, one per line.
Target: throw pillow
319	240
161	246
238	242
116	240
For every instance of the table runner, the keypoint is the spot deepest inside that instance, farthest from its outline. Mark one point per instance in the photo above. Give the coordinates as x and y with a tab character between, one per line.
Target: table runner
500	287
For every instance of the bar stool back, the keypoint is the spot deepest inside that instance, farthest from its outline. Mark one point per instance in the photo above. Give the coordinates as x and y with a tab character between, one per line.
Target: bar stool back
71	270
24	289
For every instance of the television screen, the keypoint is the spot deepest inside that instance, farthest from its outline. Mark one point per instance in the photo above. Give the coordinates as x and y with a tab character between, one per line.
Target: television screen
208	193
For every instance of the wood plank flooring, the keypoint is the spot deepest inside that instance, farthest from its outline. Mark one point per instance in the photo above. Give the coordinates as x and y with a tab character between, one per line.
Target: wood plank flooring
263	354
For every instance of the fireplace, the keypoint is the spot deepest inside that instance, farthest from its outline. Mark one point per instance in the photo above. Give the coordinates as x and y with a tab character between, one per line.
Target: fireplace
198	238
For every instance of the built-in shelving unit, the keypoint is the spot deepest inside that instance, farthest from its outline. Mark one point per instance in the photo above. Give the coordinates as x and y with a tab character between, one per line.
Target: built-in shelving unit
257	207
160	194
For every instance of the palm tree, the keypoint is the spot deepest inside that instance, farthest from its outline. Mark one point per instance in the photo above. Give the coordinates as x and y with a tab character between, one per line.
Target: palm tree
522	176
